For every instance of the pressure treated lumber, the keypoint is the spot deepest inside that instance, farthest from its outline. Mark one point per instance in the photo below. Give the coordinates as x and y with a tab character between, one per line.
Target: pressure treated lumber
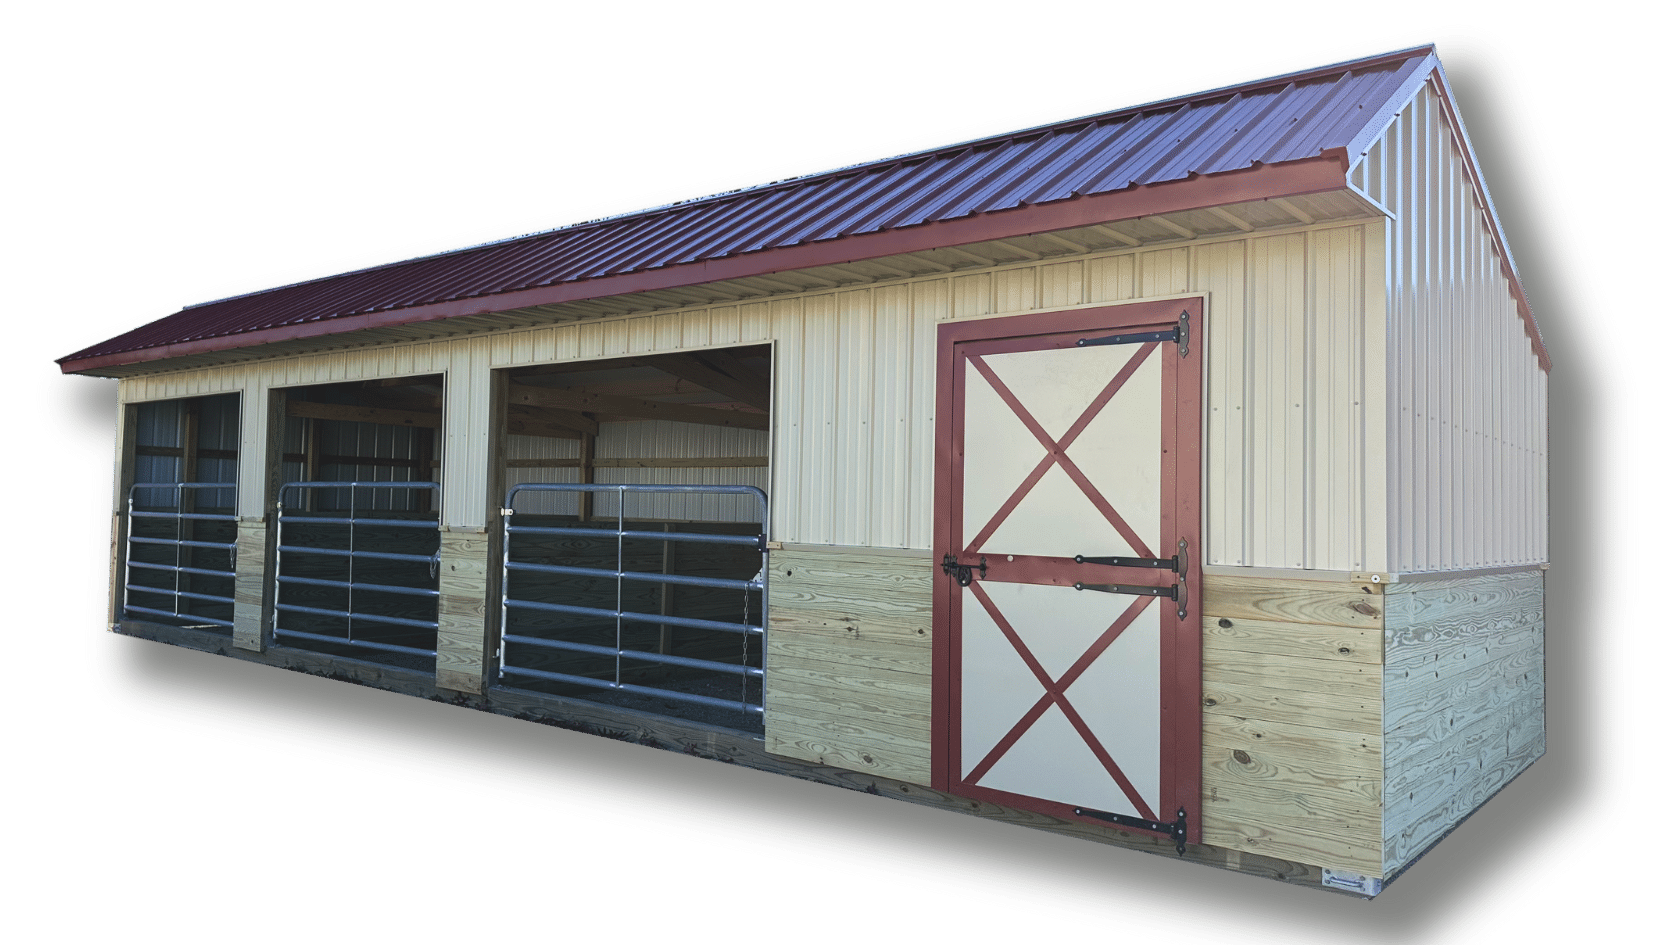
849	673
462	587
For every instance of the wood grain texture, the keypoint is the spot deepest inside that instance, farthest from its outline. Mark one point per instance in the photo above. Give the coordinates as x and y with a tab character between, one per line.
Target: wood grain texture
1302	640
1463	701
849	672
698	740
463	590
250	584
1308	602
1292	689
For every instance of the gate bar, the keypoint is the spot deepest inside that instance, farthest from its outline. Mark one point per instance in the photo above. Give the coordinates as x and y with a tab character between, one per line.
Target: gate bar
690	662
638	690
180	515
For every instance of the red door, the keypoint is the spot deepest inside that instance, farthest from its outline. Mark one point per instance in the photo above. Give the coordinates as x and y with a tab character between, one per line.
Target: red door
1067	524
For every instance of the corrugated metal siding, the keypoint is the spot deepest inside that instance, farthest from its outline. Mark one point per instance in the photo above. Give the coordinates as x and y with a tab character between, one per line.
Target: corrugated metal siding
1468	442
852	444
1286	119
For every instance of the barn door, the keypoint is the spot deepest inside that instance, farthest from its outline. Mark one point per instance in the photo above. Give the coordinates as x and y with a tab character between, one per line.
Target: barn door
1067	534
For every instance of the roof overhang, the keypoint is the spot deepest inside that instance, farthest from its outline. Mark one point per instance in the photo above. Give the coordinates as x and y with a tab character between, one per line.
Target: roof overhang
1324	173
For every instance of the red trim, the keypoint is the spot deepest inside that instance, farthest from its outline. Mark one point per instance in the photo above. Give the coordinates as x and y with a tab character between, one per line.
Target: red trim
1325	172
1181	517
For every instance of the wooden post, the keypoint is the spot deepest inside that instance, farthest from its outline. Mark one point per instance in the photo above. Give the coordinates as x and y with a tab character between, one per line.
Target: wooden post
474	424
128	429
586	476
422	471
311	458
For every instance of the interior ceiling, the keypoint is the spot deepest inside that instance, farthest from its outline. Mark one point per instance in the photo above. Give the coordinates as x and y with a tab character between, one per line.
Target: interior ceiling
1232	221
726	387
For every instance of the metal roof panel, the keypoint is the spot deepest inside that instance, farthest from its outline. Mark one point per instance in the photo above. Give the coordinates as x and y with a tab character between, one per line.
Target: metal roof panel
1273	121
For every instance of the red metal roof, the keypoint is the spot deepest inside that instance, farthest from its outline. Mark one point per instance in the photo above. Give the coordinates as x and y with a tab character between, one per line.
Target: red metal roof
1309	115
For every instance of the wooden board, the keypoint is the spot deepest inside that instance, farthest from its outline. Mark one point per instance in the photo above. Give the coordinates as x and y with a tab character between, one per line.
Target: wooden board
849	672
462	590
698	740
1308	602
250	585
1463	701
1292	687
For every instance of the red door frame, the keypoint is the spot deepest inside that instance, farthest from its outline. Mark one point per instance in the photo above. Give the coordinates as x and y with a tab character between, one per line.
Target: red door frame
1181	516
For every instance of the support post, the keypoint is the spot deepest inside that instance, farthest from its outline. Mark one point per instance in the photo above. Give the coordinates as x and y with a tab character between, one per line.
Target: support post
128	430
262	427
474	422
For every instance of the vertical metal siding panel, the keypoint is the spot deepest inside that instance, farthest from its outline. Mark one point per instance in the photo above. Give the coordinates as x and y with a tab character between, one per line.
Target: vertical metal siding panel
972	295
1063	285
723	325
1111	278
1266	393
1316	466
467	434
1220	272
1297	443
890	470
854	393
932	303
697	326
789	400
754	323
1163	272
1371	410
1016	289
819	450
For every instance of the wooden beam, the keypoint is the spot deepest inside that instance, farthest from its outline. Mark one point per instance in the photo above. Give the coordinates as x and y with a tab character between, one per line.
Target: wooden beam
685	462
567	398
1064	242
586	476
570	419
1292	210
1231	218
691	368
522	426
1181	231
1114	234
349	414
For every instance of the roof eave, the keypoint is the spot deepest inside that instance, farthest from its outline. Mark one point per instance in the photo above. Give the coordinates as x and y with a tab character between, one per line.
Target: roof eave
1325	172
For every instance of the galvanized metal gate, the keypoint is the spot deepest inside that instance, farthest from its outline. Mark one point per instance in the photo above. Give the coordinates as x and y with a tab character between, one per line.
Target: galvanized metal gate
418	569
614	646
179	549
1068	524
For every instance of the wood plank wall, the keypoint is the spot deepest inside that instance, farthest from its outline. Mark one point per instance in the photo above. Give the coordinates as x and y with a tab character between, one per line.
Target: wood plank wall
849	675
1292	689
1463	700
463	589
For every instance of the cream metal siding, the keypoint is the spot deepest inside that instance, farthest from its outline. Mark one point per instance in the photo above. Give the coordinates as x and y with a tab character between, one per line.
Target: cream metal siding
1467	435
1291	375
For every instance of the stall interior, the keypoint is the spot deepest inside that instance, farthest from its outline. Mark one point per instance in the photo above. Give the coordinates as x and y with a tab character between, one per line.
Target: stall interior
635	544
180	546
356	546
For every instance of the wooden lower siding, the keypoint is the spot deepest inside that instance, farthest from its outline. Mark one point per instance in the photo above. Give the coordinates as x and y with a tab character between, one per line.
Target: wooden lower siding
1292	720
710	742
1345	725
1463	701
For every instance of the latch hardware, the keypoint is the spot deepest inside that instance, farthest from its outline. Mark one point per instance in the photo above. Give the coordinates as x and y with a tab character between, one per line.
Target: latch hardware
964	573
1179	829
1183	595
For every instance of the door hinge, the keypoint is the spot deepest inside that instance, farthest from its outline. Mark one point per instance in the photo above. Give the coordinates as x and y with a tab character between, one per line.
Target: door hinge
1178	334
964	573
1178	830
1141	590
1165	564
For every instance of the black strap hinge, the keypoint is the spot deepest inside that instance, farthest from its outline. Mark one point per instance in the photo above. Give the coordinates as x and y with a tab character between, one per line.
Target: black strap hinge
1170	592
1178	334
1166	564
1178	830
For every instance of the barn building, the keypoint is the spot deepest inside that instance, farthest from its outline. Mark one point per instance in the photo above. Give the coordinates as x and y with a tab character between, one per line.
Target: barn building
1173	477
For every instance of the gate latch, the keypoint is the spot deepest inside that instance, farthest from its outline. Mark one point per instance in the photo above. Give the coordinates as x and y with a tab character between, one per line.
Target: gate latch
964	573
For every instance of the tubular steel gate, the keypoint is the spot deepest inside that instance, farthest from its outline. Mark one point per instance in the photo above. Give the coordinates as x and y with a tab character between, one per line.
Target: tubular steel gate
387	566
562	578
180	545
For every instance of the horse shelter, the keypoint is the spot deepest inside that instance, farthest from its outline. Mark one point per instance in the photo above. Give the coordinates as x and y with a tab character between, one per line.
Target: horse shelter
1173	477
